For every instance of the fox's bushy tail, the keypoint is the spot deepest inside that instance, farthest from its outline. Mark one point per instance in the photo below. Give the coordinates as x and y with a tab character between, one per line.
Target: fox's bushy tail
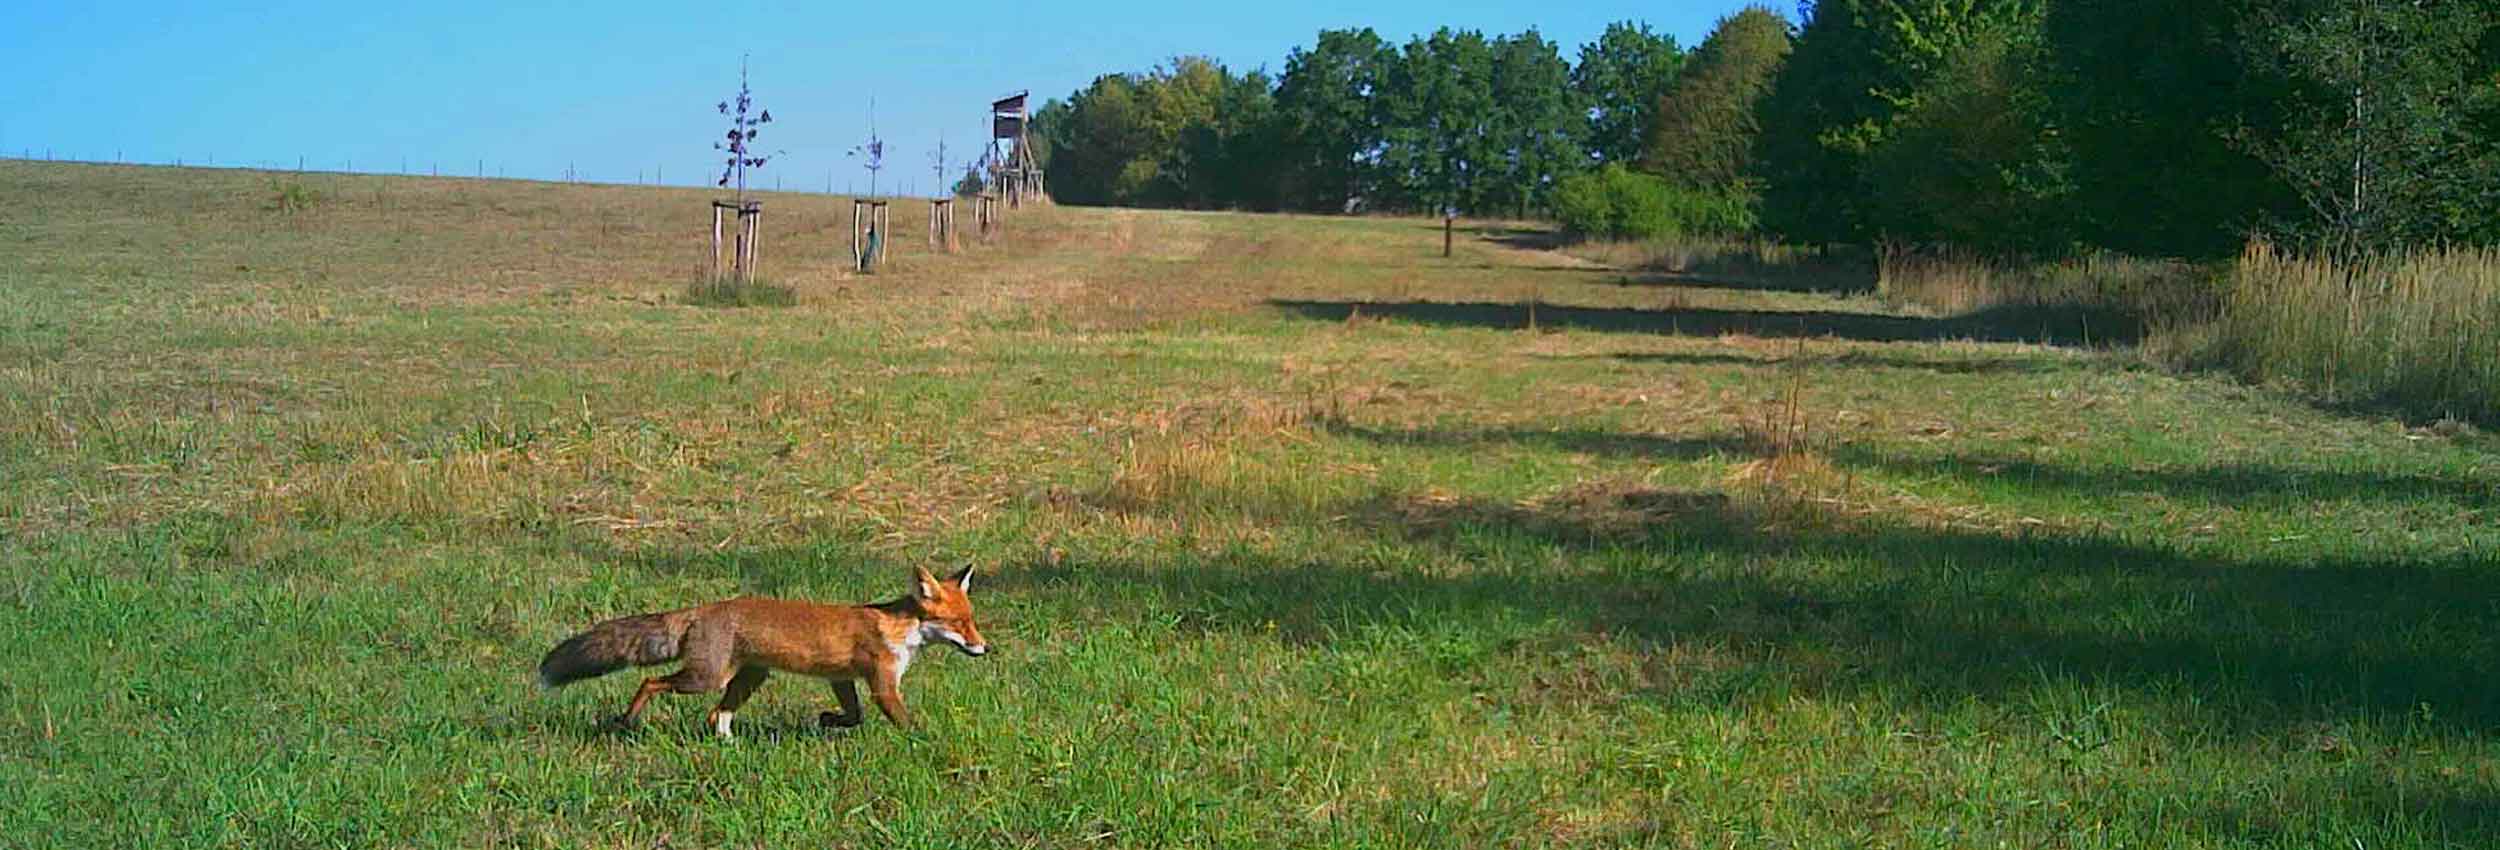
613	645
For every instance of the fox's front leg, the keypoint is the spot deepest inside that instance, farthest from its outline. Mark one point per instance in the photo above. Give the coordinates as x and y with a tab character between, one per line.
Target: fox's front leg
886	687
846	691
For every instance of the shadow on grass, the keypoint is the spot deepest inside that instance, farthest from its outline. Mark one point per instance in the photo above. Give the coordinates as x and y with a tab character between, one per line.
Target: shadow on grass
2044	325
2254	648
1523	238
1582	440
1704	262
1744	280
2237	484
1598	275
1847	360
1750	276
2297	640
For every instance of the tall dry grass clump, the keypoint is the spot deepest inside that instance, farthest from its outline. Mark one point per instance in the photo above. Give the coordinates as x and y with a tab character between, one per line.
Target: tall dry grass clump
1741	261
1956	282
2418	332
1222	462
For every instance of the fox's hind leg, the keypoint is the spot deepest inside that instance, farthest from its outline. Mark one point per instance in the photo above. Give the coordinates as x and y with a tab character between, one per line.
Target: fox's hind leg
845	691
688	680
706	656
642	696
741	686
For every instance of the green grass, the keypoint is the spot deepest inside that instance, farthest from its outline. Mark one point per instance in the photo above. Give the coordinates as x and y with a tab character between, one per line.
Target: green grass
732	292
1294	534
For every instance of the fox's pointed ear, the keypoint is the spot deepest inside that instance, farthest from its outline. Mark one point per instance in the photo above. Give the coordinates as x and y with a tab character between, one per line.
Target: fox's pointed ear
923	584
963	578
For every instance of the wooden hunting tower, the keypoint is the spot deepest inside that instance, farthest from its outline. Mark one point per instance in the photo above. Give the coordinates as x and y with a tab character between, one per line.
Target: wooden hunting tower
1013	173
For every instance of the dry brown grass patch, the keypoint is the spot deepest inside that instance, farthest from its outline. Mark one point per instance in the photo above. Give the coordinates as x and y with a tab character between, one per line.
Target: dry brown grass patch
1216	466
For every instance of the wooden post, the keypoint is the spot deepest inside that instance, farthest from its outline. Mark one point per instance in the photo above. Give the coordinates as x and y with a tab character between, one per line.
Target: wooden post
755	240
872	227
885	232
1448	223
942	225
716	243
743	243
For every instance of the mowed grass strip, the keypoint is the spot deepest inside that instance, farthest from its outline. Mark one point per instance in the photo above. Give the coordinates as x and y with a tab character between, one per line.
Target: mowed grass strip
1294	534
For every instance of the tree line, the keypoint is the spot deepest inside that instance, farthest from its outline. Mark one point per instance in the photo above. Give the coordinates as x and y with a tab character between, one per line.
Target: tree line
1453	119
2169	127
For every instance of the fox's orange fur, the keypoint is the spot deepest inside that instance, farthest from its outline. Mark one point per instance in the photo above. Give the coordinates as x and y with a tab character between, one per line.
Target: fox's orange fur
733	645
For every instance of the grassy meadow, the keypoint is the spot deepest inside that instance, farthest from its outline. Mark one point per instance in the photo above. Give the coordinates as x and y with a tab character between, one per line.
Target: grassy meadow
1294	533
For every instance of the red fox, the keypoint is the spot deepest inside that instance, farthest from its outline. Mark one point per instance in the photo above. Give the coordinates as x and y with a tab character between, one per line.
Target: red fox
731	646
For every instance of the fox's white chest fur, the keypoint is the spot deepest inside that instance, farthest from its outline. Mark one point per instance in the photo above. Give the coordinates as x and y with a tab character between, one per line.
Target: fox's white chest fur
906	648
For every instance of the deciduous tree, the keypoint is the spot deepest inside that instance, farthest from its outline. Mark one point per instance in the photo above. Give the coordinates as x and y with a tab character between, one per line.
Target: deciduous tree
1437	135
1330	120
1703	133
1537	121
1620	77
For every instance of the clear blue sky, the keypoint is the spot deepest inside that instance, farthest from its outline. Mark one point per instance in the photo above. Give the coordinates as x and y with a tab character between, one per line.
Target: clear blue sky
620	88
